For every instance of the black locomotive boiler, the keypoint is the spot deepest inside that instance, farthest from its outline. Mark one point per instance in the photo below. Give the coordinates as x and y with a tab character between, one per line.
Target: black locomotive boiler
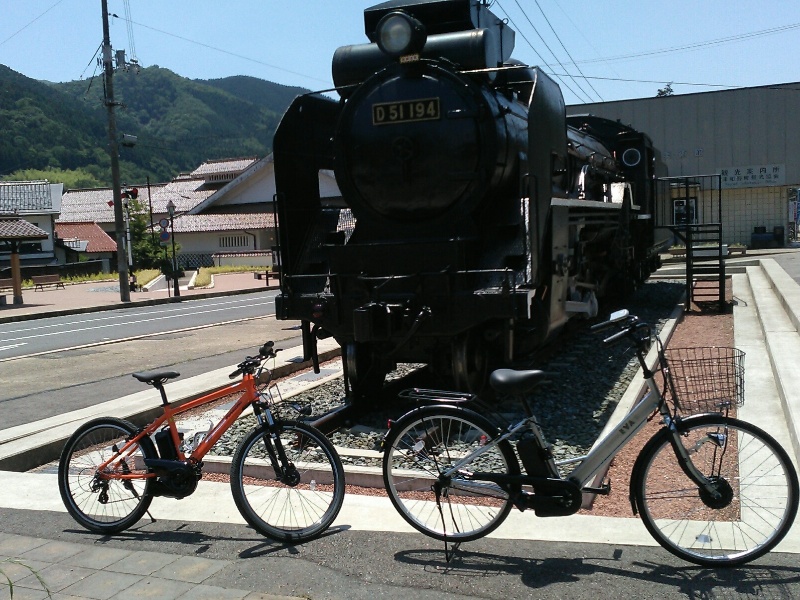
474	217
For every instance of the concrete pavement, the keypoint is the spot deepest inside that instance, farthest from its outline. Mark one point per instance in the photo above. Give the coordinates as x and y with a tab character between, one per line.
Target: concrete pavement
75	570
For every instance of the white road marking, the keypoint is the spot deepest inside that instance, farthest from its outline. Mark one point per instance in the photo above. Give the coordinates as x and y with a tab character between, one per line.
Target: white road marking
149	318
11	346
170	310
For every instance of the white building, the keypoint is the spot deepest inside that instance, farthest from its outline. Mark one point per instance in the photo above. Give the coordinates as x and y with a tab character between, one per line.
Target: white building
38	203
747	136
223	211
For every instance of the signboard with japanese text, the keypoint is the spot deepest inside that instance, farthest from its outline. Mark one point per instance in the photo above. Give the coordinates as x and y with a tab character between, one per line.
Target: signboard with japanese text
752	176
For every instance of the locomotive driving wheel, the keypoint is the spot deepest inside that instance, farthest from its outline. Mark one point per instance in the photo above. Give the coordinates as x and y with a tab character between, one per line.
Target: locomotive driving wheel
470	362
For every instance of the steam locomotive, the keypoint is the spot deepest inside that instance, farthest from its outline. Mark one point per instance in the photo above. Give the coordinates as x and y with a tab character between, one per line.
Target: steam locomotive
474	217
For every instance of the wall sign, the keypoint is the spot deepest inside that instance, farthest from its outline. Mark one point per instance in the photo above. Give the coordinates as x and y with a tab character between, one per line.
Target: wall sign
752	176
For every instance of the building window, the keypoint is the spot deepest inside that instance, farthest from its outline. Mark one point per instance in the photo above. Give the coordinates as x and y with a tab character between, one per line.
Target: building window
234	241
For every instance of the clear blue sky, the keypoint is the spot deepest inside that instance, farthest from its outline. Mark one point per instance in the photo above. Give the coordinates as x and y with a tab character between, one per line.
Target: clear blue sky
624	48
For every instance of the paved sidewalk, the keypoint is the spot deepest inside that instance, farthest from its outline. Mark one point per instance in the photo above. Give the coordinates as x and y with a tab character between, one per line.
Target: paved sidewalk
73	571
104	295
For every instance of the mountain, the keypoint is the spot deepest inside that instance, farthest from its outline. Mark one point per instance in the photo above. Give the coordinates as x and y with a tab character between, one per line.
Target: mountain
179	122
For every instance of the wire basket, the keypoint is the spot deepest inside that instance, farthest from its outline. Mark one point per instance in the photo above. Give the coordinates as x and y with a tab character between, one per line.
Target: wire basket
706	379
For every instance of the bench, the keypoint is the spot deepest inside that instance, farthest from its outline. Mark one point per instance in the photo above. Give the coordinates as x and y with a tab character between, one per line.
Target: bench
6	283
39	281
266	275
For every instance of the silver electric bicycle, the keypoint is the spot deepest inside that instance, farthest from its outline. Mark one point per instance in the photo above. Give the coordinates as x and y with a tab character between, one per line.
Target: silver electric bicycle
710	488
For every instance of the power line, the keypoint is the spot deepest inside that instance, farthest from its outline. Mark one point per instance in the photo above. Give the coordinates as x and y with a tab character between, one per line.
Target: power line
546	45
539	6
585	38
21	29
131	43
541	58
228	52
712	85
697	45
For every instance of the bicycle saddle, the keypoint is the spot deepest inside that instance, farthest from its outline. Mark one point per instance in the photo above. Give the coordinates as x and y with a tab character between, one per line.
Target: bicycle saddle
156	377
510	381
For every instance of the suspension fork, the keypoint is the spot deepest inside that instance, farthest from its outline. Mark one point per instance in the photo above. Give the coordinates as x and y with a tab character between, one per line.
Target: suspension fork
272	442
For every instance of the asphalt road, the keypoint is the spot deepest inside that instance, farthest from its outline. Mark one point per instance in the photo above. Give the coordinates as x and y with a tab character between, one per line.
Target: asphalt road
41	386
56	333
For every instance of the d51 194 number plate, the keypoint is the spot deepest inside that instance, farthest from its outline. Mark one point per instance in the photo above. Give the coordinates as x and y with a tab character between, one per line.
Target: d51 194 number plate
388	113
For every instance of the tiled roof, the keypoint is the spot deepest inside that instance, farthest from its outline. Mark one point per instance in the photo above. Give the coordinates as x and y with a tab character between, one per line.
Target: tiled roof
226	222
234	166
186	191
99	240
25	196
14	228
91	206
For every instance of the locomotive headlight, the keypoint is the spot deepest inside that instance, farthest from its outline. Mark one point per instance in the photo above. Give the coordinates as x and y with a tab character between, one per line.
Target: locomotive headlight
400	34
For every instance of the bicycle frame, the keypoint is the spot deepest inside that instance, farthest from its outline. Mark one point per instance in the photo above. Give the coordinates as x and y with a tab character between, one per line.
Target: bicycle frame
249	394
600	454
606	448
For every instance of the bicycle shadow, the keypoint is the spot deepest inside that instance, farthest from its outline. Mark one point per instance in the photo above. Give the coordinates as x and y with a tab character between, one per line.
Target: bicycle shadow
537	574
183	536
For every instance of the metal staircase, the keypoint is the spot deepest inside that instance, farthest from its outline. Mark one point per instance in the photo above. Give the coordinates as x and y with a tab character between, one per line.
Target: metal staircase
691	209
705	261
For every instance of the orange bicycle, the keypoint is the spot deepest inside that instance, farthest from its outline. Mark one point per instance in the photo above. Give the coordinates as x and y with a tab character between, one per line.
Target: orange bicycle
286	477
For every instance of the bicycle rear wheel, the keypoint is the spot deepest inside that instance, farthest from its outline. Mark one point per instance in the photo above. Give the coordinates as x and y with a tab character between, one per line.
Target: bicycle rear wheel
300	505
427	442
757	485
97	500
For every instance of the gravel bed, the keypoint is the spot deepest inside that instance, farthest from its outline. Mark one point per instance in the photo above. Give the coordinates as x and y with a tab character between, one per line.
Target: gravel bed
589	378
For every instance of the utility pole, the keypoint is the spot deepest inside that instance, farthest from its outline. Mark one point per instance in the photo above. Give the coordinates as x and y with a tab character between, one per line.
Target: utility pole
113	150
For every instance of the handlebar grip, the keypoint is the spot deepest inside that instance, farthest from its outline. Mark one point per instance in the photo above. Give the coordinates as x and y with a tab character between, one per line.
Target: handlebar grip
615	337
600	326
235	374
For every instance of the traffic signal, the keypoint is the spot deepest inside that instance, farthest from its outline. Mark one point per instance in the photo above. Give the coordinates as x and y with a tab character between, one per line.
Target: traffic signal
130	193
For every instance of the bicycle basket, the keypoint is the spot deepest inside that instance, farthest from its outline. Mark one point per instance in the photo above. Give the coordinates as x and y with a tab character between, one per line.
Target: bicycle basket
706	379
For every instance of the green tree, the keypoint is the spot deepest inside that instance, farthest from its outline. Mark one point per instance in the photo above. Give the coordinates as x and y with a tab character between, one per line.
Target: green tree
665	91
72	178
147	250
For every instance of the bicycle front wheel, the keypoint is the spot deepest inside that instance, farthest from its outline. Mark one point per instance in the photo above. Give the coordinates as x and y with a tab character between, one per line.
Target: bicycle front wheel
755	483
421	447
114	498
298	504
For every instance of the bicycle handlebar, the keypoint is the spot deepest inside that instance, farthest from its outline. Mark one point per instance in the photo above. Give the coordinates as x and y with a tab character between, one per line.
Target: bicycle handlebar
250	363
630	327
616	317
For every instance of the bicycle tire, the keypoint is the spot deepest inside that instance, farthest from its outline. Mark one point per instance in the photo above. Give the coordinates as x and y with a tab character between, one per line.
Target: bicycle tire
755	475
467	510
299	511
110	505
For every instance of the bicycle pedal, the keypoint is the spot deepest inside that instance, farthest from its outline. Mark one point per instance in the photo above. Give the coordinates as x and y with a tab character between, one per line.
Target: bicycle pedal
604	489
